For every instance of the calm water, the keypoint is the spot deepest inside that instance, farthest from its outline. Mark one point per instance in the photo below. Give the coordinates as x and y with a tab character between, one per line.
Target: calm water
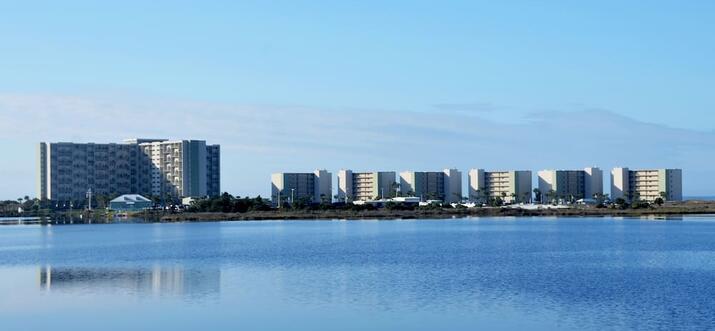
530	273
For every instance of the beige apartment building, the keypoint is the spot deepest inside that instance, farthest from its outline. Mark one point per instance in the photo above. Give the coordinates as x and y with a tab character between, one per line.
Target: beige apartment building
432	185
570	184
512	186
158	167
289	187
365	186
647	184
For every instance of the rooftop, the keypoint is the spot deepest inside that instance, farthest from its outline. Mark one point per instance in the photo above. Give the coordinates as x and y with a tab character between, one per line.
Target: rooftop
131	198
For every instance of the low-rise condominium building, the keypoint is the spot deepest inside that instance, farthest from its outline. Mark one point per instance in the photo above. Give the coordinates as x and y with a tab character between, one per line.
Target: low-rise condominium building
289	187
570	184
647	184
365	186
511	186
432	185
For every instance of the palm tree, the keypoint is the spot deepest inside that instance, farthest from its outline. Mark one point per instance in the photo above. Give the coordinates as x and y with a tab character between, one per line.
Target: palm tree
599	197
551	196
278	198
636	196
323	198
396	189
537	195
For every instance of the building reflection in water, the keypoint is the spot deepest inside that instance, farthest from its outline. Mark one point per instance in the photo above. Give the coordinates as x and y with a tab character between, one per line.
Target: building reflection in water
156	281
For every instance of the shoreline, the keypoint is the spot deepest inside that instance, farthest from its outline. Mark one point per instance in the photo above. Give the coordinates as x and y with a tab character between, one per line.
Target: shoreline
428	214
229	217
670	210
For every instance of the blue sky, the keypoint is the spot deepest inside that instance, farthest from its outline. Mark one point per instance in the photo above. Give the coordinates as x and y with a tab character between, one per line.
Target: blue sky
388	85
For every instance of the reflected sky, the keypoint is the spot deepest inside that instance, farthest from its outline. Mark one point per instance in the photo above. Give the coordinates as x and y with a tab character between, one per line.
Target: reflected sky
456	274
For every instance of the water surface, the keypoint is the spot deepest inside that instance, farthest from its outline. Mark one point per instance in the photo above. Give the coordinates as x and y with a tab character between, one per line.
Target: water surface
507	273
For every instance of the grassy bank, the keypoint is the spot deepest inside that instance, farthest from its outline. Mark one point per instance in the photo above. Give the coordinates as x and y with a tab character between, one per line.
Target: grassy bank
105	216
671	209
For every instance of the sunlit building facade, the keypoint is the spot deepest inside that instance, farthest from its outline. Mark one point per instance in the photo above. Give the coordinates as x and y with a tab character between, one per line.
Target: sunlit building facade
647	184
365	186
150	167
510	186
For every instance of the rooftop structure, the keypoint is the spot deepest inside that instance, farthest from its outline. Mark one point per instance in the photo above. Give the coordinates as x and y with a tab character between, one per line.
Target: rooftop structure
130	202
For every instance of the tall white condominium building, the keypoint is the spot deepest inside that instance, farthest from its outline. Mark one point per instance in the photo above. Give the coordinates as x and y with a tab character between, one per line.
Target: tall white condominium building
445	185
314	187
182	168
364	186
566	184
647	184
512	186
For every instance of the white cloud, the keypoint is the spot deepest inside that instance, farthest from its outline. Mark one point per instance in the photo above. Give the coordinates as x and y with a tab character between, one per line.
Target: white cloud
258	140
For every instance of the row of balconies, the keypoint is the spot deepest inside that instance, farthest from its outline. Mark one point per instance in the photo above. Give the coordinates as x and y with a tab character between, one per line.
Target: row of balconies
496	175
497	187
493	182
652	187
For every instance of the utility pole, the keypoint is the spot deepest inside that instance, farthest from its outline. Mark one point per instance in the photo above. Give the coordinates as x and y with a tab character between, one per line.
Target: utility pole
89	198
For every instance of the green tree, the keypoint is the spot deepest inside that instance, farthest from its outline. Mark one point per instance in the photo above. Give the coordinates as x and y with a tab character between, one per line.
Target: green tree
537	195
527	197
496	202
664	195
551	196
395	189
478	196
621	203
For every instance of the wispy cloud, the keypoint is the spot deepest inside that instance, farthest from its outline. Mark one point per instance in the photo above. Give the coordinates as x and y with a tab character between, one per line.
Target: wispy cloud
467	108
258	140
